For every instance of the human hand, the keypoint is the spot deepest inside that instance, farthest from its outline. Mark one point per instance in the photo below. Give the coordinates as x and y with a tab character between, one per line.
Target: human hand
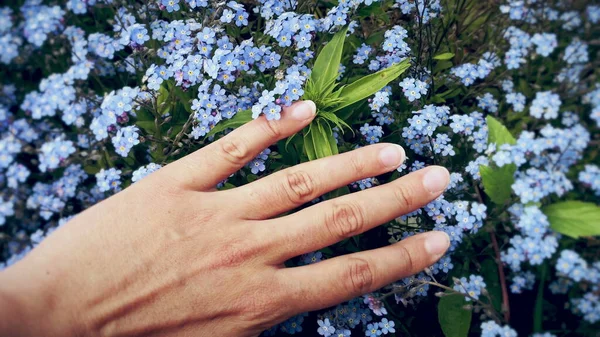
172	256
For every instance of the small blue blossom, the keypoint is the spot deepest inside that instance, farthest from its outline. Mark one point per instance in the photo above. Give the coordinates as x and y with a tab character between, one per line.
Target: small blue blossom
325	328
473	286
387	326
109	180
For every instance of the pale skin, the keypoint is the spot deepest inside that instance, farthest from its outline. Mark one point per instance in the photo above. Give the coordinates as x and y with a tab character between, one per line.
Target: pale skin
172	256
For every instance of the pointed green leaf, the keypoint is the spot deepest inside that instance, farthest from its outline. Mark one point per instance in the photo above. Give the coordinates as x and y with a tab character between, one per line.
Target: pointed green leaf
319	141
497	133
442	65
309	147
236	121
497	182
331	140
444	56
454	319
145	120
289	140
574	218
369	84
327	64
162	104
489	271
335	120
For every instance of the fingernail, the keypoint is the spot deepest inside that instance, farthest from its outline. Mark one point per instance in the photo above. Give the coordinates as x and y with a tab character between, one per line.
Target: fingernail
391	156
436	179
436	243
304	110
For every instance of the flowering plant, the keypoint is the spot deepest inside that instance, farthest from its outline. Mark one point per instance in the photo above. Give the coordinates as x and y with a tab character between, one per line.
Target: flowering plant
97	94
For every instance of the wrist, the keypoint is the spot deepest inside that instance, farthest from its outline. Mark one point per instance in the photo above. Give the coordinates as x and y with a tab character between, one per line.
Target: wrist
31	304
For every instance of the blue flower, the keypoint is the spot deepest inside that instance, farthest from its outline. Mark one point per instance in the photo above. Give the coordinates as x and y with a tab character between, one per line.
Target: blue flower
372	330
170	5
362	54
144	171
545	42
473	286
293	324
139	34
241	18
387	326
109	180
372	133
325	328
125	139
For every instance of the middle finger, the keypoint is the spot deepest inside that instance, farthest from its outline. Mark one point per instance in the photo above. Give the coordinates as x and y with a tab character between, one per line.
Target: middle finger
295	186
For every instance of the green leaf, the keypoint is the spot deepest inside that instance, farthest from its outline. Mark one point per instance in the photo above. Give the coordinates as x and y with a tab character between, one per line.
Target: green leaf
322	140
335	120
289	155
375	38
438	99
319	141
497	133
162	103
236	121
145	120
454	319
309	147
227	186
327	64
451	93
574	218
369	84
497	182
442	65
489	271
184	98
444	56
92	168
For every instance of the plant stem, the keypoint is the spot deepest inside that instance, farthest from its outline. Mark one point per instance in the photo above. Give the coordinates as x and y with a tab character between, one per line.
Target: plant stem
505	303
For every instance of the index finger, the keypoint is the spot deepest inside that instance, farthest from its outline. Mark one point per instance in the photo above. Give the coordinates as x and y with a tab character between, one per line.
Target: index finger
205	168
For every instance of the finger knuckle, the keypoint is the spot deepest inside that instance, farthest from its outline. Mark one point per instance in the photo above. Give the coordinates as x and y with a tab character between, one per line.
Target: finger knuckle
235	151
271	129
359	167
360	277
257	306
404	196
407	258
300	187
236	252
346	220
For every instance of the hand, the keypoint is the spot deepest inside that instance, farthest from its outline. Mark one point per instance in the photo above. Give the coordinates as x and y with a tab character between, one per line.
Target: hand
172	256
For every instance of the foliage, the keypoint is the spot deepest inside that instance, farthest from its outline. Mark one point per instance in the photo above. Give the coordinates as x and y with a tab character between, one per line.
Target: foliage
574	218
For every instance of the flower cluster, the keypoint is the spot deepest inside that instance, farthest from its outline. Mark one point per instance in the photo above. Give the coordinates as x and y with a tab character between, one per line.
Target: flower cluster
535	243
573	268
469	73
473	286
